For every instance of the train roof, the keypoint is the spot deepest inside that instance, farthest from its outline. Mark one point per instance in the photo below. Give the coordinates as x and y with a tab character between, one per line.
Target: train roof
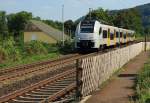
112	27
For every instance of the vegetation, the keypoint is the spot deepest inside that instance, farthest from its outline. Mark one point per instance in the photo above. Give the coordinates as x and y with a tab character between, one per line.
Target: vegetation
143	85
55	24
128	19
35	48
100	15
13	48
68	47
8	50
144	11
12	54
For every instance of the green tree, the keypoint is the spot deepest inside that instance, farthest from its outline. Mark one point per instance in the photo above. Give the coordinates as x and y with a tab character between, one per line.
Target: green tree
17	22
37	18
55	24
100	15
3	25
147	32
129	19
70	27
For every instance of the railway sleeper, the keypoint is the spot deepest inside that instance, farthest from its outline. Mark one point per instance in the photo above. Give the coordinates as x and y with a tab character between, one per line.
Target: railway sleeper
62	81
65	83
65	98
57	85
22	101
30	98
37	95
54	88
47	93
45	90
50	88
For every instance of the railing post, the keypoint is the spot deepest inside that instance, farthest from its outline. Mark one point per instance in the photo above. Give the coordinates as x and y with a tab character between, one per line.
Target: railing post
145	43
78	80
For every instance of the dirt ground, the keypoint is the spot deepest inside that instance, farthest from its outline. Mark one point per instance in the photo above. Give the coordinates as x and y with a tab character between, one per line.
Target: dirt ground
121	88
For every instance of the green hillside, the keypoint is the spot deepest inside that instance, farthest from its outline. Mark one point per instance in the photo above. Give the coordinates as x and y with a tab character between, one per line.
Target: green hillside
145	12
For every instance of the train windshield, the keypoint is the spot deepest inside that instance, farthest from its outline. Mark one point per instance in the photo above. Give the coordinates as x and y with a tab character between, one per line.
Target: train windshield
87	27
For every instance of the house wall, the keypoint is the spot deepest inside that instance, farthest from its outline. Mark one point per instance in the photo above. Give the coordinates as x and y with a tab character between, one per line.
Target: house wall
40	36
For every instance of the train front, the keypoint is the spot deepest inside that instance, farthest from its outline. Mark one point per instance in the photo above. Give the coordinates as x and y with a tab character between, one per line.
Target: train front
85	36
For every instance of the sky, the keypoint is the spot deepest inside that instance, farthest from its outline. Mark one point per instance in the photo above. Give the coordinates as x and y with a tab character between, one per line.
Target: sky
73	9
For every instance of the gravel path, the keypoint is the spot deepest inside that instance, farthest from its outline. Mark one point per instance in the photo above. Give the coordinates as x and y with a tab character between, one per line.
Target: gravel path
121	88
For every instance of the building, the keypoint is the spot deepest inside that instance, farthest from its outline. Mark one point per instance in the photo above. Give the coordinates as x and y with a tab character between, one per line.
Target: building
37	30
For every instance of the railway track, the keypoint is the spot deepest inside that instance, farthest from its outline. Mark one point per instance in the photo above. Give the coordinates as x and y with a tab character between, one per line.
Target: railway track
28	66
33	93
56	88
52	65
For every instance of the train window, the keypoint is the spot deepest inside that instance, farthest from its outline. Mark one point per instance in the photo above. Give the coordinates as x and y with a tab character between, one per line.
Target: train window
117	34
111	36
124	35
120	34
104	33
87	30
100	31
129	35
87	27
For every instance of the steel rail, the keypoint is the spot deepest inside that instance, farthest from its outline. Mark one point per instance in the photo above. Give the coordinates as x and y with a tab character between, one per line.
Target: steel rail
60	93
51	66
27	66
12	95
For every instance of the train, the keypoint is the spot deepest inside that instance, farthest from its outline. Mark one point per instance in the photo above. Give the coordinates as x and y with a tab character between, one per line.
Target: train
92	34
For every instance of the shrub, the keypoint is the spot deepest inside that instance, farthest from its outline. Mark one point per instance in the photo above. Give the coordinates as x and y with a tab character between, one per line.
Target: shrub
3	54
34	48
11	51
50	47
143	85
67	48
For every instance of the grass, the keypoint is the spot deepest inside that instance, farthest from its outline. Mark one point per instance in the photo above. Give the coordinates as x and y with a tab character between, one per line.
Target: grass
143	84
29	59
12	54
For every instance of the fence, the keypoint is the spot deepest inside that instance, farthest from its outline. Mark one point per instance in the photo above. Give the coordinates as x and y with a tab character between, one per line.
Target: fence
97	69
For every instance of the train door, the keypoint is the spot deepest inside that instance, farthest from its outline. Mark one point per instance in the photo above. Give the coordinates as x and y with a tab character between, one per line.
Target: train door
114	37
127	37
108	38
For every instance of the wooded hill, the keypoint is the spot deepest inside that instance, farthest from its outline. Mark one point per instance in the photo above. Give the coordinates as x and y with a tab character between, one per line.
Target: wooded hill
144	10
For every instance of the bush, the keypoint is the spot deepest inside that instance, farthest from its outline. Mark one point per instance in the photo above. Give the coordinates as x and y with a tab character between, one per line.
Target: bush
11	51
35	48
51	48
3	54
143	85
67	48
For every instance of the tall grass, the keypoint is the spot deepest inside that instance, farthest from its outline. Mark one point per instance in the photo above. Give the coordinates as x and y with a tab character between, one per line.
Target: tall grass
143	85
12	54
8	50
35	48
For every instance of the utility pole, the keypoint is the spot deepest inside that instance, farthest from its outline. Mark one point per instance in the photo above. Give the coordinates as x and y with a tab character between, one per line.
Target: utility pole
63	25
145	42
90	10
